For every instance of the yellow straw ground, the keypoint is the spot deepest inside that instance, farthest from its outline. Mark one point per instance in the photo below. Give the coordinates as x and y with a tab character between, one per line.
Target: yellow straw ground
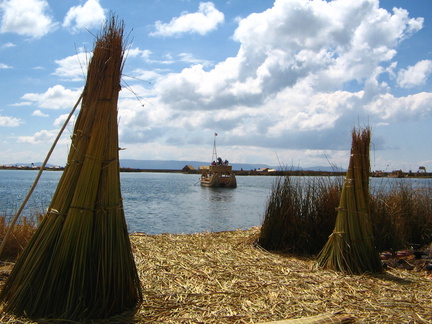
224	278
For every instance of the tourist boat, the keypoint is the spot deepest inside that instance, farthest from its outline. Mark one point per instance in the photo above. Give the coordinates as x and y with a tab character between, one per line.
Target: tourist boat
219	173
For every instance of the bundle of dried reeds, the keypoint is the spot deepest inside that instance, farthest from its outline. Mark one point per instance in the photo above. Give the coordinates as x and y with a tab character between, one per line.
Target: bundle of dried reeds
350	248
79	264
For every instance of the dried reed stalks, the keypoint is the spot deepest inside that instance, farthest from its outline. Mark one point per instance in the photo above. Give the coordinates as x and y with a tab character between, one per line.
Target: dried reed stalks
350	248
79	264
223	278
19	236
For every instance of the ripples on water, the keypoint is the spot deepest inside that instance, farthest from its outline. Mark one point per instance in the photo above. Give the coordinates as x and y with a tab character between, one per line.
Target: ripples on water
156	202
166	202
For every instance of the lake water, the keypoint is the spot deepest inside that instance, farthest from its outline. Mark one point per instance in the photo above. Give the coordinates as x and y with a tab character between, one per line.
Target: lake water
165	202
156	202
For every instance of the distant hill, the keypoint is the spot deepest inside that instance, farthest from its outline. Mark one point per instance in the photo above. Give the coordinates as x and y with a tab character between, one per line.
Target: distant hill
179	165
29	165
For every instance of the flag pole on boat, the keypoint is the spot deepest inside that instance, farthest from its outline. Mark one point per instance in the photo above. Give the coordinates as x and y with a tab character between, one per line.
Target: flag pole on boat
214	155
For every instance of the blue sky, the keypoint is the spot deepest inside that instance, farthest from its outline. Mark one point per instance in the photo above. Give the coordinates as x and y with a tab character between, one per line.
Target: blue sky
281	82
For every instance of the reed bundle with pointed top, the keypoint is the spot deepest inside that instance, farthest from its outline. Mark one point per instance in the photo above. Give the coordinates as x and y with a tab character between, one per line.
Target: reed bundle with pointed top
79	264
350	248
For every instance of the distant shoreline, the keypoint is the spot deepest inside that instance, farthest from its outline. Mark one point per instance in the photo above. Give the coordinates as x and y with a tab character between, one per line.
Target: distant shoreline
394	174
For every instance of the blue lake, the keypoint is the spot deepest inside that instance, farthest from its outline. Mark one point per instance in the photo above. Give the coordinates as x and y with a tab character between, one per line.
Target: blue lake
165	202
155	202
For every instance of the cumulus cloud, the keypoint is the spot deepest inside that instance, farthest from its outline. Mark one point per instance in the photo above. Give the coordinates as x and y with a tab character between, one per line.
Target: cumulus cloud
413	107
39	113
73	68
136	52
146	56
86	16
26	17
6	121
44	136
57	97
415	75
4	66
189	58
284	86
205	20
59	121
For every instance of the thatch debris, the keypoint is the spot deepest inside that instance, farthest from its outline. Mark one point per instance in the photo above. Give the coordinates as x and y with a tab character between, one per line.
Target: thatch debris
224	278
79	264
351	248
319	319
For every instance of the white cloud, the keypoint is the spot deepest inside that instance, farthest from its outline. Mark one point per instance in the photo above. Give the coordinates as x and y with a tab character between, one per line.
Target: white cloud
4	66
283	88
205	20
6	121
136	52
26	18
146	55
39	113
412	107
59	121
57	97
189	58
147	76
8	45
20	104
44	136
87	16
73	68
415	75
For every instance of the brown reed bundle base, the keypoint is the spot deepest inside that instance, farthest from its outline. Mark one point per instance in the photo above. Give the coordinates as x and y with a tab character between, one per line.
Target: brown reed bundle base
224	278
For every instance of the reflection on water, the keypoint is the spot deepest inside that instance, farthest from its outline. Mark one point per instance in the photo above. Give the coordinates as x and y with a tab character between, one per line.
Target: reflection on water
176	203
168	203
217	205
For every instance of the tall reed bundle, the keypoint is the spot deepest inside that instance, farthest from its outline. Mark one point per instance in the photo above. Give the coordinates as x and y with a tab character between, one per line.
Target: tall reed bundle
350	248
79	264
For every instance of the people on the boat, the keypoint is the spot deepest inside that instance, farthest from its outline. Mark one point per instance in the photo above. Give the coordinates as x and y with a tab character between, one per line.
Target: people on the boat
220	162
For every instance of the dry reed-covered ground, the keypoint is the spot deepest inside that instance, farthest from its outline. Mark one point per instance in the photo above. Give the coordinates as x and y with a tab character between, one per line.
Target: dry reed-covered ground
224	278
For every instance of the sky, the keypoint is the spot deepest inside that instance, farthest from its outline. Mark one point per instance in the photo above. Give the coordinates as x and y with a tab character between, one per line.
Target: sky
281	82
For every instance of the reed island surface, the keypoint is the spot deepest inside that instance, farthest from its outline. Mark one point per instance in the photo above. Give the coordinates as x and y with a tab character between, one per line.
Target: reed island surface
225	278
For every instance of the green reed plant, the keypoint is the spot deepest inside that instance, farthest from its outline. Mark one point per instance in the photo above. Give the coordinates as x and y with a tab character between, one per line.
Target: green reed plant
300	214
402	215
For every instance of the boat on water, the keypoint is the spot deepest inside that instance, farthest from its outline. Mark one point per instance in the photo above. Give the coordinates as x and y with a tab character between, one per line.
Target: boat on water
219	173
217	176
